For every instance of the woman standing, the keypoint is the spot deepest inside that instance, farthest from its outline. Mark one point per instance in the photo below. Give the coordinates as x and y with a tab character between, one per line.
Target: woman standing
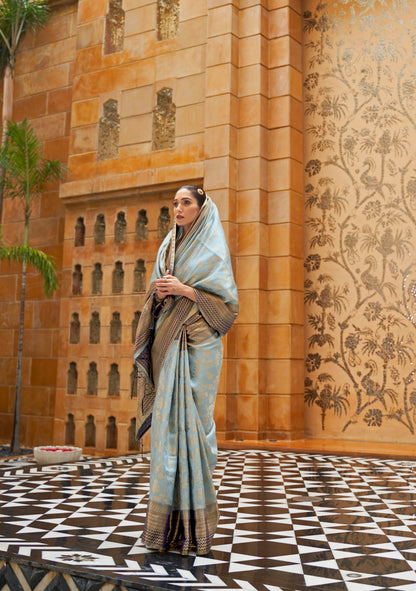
190	304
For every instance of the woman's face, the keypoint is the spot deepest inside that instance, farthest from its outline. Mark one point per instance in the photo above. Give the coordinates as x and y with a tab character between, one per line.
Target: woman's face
185	208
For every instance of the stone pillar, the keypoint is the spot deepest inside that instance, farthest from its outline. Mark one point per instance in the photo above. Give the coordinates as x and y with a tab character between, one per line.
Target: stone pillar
283	311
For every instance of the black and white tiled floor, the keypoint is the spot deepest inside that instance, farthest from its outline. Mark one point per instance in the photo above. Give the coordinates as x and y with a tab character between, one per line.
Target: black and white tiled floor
289	522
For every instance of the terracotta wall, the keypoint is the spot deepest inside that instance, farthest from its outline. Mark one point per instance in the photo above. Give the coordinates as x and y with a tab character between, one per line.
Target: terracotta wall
360	187
43	89
233	71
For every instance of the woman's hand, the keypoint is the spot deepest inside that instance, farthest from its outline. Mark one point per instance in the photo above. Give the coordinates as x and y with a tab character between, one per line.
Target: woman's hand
170	285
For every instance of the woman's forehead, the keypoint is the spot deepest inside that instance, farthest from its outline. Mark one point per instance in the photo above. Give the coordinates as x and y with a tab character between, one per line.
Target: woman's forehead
184	194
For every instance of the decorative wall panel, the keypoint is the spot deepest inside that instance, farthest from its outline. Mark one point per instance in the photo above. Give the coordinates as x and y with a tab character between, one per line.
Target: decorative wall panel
360	219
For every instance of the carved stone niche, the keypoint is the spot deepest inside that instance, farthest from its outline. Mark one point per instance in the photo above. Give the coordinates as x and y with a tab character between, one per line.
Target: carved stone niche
115	328
133	382
77	280
109	131
141	226
79	232
120	227
99	229
72	378
167	19
95	328
92	379
118	278
75	329
90	432
133	444
114	27
164	121
163	222
111	433
114	381
97	280
70	430
134	325
139	276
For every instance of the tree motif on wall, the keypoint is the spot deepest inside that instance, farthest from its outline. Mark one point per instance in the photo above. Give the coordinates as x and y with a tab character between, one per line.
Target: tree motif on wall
360	286
134	325
139	276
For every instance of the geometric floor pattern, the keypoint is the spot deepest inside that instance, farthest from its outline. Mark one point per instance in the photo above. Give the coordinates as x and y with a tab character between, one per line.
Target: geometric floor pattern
289	522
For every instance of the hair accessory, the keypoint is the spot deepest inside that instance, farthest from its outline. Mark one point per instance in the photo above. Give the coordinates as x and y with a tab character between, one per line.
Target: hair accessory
200	191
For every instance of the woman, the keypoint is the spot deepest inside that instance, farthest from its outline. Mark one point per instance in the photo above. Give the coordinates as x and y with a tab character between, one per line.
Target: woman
191	303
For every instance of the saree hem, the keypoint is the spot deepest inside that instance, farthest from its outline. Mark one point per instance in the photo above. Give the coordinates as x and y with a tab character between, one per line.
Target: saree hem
185	530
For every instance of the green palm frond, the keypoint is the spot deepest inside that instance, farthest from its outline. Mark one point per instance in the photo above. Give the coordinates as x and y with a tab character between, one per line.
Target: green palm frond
17	17
35	258
26	173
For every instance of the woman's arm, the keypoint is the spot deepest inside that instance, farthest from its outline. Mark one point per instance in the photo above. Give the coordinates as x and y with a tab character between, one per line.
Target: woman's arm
170	285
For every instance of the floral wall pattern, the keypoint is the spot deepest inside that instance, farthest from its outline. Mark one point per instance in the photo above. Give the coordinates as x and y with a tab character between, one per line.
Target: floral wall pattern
360	218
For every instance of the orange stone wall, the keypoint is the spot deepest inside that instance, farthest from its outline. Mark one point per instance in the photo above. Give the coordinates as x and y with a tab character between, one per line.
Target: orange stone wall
235	71
42	93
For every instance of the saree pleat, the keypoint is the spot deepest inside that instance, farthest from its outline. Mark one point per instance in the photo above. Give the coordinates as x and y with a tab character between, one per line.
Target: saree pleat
178	355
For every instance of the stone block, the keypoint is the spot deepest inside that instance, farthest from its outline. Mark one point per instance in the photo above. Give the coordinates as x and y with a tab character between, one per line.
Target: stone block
285	51
90	34
43	372
285	80
221	79
222	49
41	81
286	206
85	113
134	130
136	101
91	10
8	286
285	142
30	107
253	21
37	343
285	21
222	20
57	149
247	337
190	120
190	90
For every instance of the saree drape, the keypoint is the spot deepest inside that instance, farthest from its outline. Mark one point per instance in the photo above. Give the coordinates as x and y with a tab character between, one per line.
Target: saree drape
178	356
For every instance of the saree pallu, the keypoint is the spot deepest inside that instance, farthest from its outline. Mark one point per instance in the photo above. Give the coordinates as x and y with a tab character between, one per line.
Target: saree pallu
178	355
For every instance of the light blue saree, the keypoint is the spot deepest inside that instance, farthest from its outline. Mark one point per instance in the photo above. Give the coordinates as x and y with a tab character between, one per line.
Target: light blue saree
178	356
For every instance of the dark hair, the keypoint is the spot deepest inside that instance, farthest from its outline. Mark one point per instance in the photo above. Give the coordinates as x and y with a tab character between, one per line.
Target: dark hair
196	192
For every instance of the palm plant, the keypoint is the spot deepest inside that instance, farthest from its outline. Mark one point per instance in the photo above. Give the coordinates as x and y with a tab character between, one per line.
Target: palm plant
26	174
16	17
